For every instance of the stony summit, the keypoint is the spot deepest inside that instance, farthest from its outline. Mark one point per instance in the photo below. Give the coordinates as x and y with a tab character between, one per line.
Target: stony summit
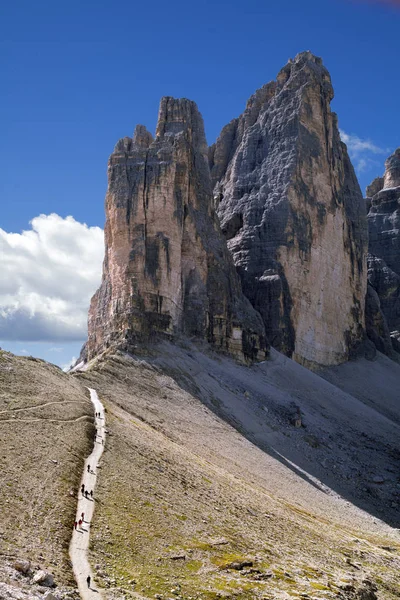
276	197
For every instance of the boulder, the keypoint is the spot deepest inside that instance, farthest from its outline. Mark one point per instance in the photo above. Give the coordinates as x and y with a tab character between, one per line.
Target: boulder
43	578
22	566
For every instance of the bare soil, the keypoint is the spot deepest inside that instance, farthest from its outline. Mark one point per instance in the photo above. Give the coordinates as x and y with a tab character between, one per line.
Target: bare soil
209	490
45	434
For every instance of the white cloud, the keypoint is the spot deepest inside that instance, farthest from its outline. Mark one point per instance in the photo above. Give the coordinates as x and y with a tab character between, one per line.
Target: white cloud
357	146
49	274
361	152
69	364
362	165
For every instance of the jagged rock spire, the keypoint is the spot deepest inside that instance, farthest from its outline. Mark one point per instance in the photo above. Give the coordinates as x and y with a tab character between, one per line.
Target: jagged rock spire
167	269
383	200
293	214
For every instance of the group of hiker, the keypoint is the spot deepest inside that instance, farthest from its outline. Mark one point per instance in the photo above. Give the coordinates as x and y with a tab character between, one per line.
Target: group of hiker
88	495
80	522
96	434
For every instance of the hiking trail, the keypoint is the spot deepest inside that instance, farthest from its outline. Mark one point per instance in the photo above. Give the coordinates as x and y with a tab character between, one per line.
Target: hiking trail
80	537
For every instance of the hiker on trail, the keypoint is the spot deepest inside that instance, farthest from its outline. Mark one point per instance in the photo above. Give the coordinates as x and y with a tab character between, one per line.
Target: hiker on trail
75	524
102	441
91	493
80	522
83	517
86	493
83	488
88	581
88	468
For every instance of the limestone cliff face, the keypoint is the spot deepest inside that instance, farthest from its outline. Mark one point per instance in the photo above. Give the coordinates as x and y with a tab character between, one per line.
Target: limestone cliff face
293	214
167	269
384	240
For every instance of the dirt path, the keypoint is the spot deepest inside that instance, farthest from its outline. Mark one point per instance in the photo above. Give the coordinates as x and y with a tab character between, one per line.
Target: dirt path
25	408
80	537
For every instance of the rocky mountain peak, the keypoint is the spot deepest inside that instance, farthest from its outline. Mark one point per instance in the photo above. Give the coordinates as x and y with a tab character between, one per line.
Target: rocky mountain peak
305	69
167	270
179	115
292	212
383	202
392	170
142	137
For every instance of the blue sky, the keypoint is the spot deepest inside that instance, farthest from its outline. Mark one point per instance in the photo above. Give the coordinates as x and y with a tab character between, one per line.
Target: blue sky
77	76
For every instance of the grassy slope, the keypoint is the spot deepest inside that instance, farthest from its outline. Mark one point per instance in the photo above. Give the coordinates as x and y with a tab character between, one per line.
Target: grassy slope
177	480
42	449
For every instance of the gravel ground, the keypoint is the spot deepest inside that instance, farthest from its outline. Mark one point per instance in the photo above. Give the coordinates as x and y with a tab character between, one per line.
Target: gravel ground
271	469
45	434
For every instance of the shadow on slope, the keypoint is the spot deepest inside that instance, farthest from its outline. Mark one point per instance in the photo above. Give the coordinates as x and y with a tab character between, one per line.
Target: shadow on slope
203	466
345	446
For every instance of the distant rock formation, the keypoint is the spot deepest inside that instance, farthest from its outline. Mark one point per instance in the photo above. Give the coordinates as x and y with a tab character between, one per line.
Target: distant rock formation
167	269
292	211
383	201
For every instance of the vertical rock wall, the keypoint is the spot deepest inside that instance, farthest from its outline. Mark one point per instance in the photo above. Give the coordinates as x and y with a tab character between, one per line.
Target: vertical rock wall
293	214
167	269
383	202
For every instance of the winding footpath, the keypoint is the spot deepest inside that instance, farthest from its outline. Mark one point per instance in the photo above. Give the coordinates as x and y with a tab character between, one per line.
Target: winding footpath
80	537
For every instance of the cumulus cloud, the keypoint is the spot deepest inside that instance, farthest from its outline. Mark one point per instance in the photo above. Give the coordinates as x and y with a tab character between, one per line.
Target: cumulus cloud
362	151
49	274
66	367
356	145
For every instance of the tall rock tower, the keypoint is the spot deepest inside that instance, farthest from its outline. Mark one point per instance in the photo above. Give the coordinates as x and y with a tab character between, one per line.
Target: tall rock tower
383	201
167	269
293	214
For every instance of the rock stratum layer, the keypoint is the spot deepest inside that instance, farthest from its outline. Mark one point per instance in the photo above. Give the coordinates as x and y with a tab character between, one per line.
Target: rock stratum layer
167	269
383	201
293	214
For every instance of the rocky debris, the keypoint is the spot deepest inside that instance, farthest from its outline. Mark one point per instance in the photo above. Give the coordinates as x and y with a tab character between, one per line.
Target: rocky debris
43	578
238	565
378	479
22	566
16	593
364	591
384	244
178	557
167	269
293	214
296	419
